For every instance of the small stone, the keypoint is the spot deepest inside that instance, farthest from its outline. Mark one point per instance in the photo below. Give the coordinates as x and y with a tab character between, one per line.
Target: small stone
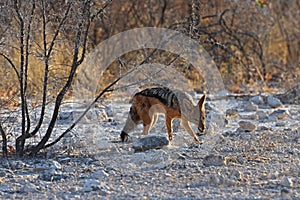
235	174
91	185
65	115
261	115
273	102
99	173
258	100
56	165
214	160
18	164
6	172
279	114
232	113
101	114
64	160
263	128
150	142
229	133
271	119
282	123
109	112
298	131
209	106
248	116
246	126
48	164
181	156
287	182
249	107
51	175
6	189
285	194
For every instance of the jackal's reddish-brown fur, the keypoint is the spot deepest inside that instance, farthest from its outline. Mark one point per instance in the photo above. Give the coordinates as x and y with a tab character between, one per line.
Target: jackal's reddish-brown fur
147	104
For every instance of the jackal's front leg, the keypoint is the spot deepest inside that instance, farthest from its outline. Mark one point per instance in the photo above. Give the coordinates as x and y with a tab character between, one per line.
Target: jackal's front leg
153	121
188	128
146	129
145	118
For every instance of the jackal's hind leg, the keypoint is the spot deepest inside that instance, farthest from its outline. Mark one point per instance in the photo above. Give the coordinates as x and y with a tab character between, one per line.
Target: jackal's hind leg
169	127
188	128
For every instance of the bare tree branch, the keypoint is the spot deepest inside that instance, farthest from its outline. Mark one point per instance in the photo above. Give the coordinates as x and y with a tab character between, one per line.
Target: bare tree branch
88	108
11	64
4	141
75	64
20	142
27	40
47	54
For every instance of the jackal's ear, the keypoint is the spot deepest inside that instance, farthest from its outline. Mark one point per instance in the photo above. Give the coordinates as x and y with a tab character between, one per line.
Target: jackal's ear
201	102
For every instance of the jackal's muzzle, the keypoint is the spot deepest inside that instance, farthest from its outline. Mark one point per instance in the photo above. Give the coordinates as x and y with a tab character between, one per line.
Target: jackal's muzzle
124	136
201	131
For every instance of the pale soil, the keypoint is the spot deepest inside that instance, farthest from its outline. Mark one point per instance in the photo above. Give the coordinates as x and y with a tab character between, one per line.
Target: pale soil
91	163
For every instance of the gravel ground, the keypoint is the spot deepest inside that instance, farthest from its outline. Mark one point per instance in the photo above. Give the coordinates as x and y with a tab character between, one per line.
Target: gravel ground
258	158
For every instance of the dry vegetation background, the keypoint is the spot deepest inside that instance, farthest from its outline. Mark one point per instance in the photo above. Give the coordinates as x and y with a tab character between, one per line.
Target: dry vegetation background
255	44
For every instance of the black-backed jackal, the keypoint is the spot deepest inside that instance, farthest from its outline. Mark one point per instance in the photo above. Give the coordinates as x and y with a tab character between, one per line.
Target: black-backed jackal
150	102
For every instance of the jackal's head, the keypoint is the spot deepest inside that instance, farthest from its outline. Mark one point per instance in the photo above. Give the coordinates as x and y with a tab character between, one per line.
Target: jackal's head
196	114
131	123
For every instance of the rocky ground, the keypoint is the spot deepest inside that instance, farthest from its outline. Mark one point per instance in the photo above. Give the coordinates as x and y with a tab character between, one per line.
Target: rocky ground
251	151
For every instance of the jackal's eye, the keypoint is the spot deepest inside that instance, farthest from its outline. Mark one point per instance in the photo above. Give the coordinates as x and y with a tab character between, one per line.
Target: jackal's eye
202	118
